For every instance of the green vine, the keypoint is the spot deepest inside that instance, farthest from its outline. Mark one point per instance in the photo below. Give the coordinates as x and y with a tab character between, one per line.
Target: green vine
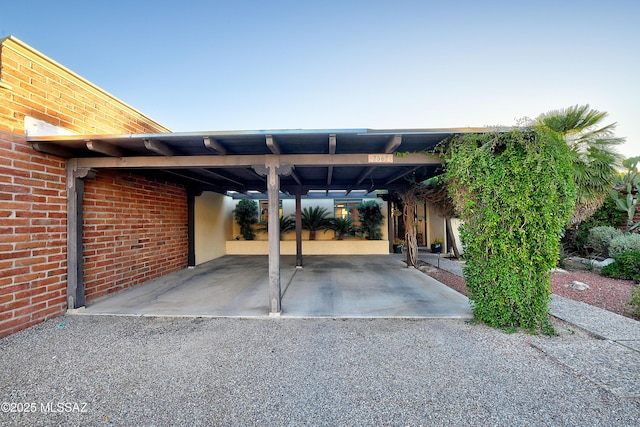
515	192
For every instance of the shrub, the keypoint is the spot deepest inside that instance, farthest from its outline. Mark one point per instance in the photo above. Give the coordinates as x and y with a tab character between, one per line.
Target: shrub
246	214
600	239
371	219
626	266
515	192
624	243
607	214
635	302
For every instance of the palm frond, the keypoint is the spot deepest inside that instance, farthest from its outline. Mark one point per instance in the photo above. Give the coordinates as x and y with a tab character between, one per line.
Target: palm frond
593	146
315	218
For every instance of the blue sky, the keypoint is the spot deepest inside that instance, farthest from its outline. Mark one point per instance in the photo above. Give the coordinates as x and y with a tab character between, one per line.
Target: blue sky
213	65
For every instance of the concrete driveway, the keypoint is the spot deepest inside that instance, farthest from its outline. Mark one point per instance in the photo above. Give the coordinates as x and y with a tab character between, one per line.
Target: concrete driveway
327	286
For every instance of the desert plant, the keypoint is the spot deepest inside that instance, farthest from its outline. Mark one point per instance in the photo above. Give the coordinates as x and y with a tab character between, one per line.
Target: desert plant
600	239
371	219
286	224
630	188
624	243
315	219
342	227
607	214
626	266
246	214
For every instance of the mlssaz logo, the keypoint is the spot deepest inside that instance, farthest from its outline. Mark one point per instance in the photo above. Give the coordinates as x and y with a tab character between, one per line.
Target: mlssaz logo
60	407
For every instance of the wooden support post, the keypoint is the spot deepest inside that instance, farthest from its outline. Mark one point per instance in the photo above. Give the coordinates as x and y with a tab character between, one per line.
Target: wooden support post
75	267
191	227
272	169
391	223
273	189
298	229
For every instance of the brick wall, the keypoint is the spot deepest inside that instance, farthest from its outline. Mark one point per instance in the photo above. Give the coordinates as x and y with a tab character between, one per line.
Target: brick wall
135	230
41	88
33	234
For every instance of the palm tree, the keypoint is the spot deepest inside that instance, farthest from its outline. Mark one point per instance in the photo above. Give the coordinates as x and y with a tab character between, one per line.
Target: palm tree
342	226
314	219
592	146
286	224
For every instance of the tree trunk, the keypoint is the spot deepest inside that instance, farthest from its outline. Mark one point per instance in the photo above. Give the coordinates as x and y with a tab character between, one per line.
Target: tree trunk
452	238
410	230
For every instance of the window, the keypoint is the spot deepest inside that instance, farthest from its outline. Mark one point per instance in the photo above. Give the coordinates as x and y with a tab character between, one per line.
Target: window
264	211
347	209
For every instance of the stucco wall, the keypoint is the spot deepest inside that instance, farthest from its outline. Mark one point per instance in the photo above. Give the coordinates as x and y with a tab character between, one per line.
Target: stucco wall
213	225
436	228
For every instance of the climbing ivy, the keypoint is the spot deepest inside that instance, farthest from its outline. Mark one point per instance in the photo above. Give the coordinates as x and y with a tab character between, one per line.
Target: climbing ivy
515	192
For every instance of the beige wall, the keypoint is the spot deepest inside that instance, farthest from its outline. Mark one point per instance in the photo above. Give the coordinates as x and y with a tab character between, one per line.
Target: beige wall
213	225
455	226
436	228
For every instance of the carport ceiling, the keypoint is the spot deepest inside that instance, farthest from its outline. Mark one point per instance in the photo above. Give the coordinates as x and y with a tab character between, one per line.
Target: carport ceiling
142	151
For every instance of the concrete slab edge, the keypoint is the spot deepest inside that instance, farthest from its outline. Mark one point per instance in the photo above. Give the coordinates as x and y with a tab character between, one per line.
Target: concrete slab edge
600	384
81	312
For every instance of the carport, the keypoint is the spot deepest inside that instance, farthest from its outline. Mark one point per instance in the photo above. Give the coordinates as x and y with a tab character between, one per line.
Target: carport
329	286
271	162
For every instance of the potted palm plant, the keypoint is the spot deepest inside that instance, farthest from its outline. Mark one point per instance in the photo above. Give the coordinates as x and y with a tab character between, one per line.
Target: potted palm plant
314	219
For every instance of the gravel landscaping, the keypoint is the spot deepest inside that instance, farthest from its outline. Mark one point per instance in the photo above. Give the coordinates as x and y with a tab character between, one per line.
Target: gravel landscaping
604	292
193	371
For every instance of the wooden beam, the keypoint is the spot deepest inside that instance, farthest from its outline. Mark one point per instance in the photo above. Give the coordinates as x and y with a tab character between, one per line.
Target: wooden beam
332	150
273	145
404	173
187	162
206	172
214	146
54	149
191	178
365	174
295	176
104	148
389	148
393	145
158	147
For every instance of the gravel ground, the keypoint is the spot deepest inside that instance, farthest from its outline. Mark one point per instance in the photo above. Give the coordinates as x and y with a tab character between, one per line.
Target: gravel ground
180	371
604	292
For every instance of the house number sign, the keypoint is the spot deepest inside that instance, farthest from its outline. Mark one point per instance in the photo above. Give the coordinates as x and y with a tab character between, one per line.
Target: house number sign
380	158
